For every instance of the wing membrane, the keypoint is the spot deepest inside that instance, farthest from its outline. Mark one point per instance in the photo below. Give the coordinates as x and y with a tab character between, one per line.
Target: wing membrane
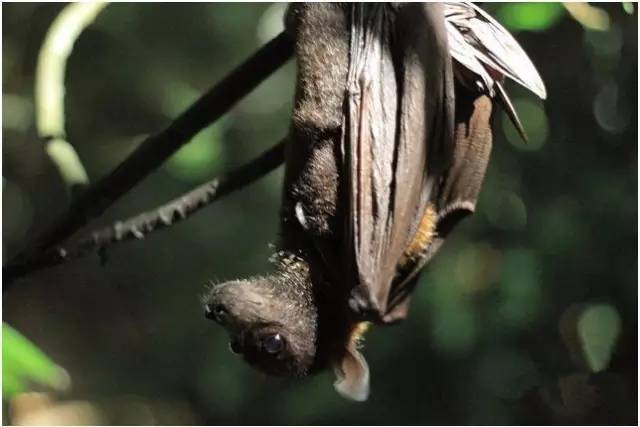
397	142
458	194
482	45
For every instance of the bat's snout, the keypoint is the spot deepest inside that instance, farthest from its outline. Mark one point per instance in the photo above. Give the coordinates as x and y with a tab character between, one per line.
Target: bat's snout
215	307
216	312
232	303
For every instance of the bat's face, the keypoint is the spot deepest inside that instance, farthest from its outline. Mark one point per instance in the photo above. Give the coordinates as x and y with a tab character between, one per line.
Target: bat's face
273	323
270	320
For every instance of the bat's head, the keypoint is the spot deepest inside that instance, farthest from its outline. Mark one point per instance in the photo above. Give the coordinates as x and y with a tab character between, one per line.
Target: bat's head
276	324
271	320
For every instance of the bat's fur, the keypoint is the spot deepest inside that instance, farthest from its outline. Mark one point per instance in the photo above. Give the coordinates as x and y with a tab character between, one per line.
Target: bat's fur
306	299
423	237
310	207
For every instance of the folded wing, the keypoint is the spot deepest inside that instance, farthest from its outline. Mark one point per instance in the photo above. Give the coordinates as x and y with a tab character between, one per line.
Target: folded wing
398	138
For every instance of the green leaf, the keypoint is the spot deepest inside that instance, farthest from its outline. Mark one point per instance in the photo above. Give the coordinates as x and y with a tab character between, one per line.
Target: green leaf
598	329
628	7
530	16
23	364
12	384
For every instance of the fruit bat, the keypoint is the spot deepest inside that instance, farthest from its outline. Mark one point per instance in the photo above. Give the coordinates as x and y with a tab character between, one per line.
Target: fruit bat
388	144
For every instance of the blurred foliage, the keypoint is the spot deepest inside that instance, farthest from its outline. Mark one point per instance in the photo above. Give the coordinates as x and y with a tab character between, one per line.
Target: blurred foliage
24	364
527	316
204	153
529	16
628	7
591	17
599	328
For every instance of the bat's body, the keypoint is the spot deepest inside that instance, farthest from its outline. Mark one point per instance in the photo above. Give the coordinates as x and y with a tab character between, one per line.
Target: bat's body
384	157
312	210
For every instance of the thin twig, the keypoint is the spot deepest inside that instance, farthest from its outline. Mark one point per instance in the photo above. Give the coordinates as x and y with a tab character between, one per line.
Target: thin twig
156	149
139	226
49	88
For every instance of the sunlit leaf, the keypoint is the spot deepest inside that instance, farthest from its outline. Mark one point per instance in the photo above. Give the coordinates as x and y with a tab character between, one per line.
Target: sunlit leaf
628	7
12	384
590	17
23	364
599	328
529	16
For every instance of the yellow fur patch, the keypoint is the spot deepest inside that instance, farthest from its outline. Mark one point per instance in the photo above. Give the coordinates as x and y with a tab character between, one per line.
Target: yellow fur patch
357	335
425	233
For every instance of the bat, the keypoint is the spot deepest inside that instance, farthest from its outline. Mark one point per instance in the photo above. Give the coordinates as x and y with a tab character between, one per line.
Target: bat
388	145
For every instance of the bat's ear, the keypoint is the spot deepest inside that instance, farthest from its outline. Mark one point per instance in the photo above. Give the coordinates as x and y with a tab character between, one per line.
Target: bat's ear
352	374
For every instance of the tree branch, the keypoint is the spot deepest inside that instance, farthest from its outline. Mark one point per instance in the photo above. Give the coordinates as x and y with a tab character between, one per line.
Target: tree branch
139	226
49	89
156	149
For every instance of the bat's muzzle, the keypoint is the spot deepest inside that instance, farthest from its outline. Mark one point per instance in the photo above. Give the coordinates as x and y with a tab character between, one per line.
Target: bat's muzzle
217	313
214	307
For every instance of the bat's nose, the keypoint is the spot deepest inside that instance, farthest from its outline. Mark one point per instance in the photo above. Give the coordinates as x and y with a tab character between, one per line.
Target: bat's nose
214	307
217	312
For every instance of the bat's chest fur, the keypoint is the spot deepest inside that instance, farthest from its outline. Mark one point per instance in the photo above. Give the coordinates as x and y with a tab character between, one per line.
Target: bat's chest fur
311	202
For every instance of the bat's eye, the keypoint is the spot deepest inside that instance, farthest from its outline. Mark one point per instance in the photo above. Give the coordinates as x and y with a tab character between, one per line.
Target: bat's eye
274	344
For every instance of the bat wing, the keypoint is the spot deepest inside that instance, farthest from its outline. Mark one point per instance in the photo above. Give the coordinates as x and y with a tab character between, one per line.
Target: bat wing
397	140
481	44
458	195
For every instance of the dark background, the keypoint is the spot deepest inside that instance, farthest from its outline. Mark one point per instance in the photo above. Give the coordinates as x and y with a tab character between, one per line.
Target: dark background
528	314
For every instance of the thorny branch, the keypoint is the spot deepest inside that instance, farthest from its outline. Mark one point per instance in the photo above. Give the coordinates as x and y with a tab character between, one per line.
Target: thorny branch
154	150
137	227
